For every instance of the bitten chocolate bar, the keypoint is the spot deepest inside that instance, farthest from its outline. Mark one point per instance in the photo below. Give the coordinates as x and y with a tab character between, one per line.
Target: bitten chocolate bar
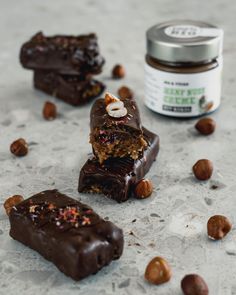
68	233
73	89
64	54
116	177
116	136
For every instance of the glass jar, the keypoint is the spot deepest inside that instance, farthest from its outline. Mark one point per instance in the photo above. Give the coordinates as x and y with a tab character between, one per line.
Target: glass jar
183	68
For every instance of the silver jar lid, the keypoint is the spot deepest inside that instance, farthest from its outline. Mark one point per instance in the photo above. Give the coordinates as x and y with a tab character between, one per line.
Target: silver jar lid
184	41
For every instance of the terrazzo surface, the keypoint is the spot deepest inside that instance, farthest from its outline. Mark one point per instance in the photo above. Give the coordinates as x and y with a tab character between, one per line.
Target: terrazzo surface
172	223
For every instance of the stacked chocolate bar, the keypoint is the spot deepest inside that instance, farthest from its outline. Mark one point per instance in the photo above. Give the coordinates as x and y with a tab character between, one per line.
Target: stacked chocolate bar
63	66
123	150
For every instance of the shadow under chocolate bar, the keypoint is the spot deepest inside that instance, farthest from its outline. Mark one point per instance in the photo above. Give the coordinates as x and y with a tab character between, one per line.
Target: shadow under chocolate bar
68	233
72	89
116	177
72	55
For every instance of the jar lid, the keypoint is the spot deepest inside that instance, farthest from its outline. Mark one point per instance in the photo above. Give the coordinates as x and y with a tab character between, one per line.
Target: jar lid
184	41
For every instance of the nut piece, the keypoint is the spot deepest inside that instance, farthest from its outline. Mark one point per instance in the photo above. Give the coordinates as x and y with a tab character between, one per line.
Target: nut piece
143	189
118	72
218	227
193	284
19	147
11	202
203	169
125	92
158	271
206	126
116	109
49	111
109	98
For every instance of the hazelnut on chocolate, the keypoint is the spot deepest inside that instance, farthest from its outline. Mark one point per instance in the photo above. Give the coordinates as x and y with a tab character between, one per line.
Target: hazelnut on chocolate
11	202
125	92
193	284
143	189
158	271
206	126
218	226
118	72
19	147
49	111
203	169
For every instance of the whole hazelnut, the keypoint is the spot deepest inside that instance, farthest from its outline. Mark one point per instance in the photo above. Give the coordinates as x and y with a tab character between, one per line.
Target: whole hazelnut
158	271
109	98
218	226
203	169
19	147
206	126
143	189
49	111
125	92
11	202
193	284
118	72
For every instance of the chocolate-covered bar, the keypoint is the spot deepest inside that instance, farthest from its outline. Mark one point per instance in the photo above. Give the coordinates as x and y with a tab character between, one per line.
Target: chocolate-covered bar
117	177
64	54
66	232
116	137
73	89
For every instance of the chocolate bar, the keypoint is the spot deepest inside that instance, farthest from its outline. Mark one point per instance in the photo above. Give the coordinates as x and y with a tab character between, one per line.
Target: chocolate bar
68	233
73	89
117	177
116	137
65	54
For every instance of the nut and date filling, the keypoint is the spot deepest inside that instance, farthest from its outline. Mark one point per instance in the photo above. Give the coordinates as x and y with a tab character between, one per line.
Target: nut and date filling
117	143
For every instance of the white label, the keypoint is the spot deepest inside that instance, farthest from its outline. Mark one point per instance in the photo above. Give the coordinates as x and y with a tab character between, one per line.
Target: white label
187	31
182	95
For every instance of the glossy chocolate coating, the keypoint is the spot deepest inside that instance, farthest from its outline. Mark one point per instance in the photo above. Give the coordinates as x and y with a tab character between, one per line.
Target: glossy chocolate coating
64	54
117	176
73	89
66	232
99	117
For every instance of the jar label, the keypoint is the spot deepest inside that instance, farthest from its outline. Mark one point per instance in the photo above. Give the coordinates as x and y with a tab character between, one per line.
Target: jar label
182	95
188	31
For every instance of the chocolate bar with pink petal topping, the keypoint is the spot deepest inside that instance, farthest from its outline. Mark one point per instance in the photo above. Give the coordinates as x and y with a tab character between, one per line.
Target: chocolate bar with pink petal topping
66	232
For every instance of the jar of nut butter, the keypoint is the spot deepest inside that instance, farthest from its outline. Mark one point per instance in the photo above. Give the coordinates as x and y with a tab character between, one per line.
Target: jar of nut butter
183	68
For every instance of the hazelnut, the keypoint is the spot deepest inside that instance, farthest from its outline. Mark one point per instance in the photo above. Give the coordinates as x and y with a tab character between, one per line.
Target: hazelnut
19	147
125	92
143	189
203	169
49	111
193	284
218	227
109	98
206	126
158	271
118	72
11	202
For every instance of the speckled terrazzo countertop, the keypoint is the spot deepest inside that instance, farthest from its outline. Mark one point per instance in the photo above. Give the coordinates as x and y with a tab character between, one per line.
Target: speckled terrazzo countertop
172	223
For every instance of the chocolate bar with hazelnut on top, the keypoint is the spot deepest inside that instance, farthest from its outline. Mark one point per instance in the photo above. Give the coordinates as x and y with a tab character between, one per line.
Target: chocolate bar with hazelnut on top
117	177
68	233
72	55
116	133
73	89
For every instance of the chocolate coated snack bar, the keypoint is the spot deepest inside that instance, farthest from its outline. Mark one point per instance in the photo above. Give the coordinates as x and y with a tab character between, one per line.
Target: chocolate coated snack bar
72	89
116	137
66	232
64	54
117	177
